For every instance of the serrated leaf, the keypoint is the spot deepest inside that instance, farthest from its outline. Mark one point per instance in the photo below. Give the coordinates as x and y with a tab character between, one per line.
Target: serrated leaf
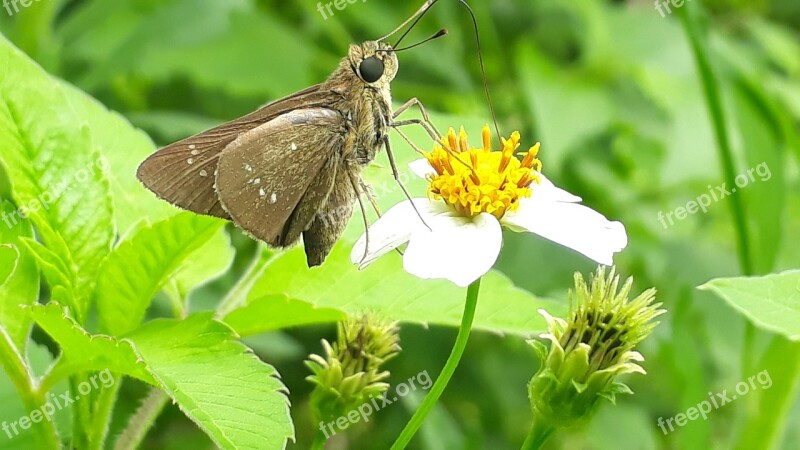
8	262
276	311
20	284
58	276
207	263
386	289
135	271
82	351
55	175
217	382
124	148
17	397
770	302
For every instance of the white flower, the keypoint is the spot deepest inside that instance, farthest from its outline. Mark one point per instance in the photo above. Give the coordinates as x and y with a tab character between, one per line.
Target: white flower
483	190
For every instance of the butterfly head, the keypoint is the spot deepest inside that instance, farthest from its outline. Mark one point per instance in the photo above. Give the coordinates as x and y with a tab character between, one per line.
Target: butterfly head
374	63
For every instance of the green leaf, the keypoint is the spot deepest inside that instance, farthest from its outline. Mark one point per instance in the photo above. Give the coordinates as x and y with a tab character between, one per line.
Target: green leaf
240	407
135	271
20	284
163	43
208	262
124	148
762	181
18	398
56	177
83	352
767	409
770	302
8	262
59	277
276	311
385	288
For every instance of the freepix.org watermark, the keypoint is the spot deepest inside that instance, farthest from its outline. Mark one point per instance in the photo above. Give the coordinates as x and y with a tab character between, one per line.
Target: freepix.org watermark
323	7
715	194
367	409
13	6
664	5
46	199
716	401
57	403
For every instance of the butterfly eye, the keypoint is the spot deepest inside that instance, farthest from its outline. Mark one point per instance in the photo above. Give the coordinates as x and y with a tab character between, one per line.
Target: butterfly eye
371	69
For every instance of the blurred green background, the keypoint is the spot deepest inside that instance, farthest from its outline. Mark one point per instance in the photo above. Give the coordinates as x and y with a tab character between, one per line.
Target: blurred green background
610	88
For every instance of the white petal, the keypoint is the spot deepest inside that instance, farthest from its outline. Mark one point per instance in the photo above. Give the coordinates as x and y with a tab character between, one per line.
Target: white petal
545	189
571	225
392	230
421	168
458	249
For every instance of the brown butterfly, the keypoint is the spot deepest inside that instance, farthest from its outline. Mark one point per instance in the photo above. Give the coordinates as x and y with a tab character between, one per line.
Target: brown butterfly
293	168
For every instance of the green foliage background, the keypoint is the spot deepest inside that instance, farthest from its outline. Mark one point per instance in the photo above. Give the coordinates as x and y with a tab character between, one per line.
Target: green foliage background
611	89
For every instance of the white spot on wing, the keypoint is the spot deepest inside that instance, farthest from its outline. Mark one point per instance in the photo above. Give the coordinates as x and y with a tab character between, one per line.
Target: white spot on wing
190	161
192	147
248	167
294	146
203	173
262	192
195	152
273	198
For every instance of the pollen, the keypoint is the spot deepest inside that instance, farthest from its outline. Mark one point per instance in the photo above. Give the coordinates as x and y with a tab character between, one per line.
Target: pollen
478	180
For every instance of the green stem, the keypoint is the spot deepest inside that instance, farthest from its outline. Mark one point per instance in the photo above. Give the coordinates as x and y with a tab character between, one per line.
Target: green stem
80	413
319	441
12	362
141	422
103	409
34	33
538	435
447	372
713	97
238	295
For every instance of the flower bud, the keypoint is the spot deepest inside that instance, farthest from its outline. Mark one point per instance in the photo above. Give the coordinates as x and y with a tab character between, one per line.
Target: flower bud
350	373
590	349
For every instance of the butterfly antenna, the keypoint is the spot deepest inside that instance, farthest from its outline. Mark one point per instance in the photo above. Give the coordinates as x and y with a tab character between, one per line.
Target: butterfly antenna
483	67
416	17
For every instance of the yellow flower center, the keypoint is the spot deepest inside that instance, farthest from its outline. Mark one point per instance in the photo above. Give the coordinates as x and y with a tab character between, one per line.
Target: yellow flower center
474	180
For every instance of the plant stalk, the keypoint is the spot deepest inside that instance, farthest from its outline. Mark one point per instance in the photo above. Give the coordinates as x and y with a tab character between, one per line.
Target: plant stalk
447	372
538	435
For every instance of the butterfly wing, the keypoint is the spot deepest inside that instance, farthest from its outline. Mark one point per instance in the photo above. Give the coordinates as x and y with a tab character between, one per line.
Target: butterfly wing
274	179
183	173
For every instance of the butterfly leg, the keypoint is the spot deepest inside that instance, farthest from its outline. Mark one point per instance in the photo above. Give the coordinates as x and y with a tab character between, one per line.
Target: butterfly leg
426	120
363	210
409	141
396	175
370	196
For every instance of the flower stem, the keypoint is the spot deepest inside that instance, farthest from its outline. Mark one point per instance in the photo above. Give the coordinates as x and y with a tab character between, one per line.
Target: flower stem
713	96
447	371
141	422
319	441
237	296
538	435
